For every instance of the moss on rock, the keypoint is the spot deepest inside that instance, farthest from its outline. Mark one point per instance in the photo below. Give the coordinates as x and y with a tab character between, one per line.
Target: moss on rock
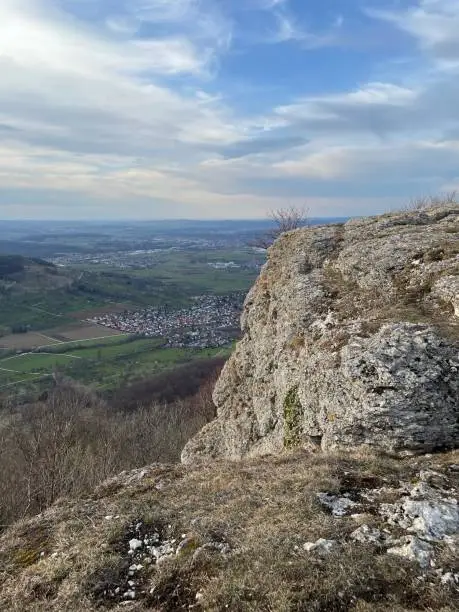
293	412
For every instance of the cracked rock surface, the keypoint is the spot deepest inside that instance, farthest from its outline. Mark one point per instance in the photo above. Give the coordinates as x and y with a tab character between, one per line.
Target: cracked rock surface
422	521
350	339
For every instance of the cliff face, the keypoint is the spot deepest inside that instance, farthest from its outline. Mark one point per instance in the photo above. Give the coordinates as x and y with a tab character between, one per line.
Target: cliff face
350	338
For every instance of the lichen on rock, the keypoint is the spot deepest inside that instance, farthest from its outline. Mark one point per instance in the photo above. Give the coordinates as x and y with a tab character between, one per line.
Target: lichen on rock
350	338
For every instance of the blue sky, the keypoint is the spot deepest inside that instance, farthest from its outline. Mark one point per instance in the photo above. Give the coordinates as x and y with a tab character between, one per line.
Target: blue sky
225	108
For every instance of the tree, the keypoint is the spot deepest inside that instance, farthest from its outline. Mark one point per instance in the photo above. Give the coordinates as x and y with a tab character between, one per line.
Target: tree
284	220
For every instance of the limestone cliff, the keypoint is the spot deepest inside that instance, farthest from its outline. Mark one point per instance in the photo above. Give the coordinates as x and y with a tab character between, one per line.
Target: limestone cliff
350	338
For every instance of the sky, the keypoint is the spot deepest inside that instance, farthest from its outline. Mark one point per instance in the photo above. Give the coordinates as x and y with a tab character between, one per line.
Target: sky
145	109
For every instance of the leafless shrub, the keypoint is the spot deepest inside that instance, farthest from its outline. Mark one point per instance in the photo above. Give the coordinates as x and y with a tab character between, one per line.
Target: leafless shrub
70	441
284	220
424	202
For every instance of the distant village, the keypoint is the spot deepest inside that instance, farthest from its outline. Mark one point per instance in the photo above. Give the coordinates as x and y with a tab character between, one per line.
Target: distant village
211	321
144	258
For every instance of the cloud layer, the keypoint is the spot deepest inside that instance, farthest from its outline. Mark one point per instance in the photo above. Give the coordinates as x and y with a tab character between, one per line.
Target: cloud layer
152	108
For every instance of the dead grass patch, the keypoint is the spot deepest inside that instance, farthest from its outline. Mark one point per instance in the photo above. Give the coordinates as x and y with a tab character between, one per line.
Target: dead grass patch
264	509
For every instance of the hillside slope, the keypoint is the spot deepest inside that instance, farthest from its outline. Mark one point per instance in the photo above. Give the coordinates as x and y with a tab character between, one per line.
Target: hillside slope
350	338
24	274
302	532
345	382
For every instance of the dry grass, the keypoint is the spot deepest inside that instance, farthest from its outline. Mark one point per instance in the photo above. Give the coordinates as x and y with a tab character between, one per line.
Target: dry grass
410	300
265	509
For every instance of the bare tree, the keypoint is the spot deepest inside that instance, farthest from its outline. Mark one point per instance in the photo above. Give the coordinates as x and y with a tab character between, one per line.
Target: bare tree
71	440
423	202
284	220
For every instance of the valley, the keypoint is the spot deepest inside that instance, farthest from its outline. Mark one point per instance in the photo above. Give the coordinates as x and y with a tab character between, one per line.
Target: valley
109	305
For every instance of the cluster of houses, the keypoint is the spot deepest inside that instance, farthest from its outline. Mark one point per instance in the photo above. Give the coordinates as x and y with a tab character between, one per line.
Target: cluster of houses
211	321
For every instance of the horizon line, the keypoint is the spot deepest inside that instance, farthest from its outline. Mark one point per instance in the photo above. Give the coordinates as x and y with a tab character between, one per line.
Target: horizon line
162	219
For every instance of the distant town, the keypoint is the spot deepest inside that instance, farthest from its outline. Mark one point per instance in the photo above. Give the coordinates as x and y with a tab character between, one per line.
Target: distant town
142	259
211	321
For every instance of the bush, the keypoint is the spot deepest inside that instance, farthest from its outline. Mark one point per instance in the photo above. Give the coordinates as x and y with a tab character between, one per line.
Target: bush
424	202
183	381
71	440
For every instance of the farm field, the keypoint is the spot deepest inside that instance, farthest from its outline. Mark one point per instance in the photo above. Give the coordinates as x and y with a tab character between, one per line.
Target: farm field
192	272
70	333
82	331
44	310
25	342
169	279
104	364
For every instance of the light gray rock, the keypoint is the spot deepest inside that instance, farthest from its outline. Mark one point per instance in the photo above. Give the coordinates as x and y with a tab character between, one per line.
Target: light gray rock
367	535
428	512
446	288
321	547
431	519
350	338
450	578
338	506
414	549
135	544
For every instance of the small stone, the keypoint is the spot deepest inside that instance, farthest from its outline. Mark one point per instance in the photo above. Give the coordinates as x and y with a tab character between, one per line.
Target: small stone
450	579
222	547
321	546
414	549
339	506
366	535
432	477
135	544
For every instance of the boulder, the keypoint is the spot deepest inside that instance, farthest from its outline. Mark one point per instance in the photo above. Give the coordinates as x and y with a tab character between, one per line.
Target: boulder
350	338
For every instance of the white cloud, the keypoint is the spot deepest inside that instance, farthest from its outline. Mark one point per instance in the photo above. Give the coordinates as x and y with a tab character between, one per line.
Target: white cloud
94	110
434	23
412	161
289	28
32	37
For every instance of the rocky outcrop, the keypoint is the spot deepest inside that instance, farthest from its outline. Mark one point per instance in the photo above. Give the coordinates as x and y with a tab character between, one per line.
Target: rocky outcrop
350	338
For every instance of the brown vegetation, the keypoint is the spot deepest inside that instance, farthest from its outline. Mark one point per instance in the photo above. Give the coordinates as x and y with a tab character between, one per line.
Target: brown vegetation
262	511
183	381
424	202
71	440
284	220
